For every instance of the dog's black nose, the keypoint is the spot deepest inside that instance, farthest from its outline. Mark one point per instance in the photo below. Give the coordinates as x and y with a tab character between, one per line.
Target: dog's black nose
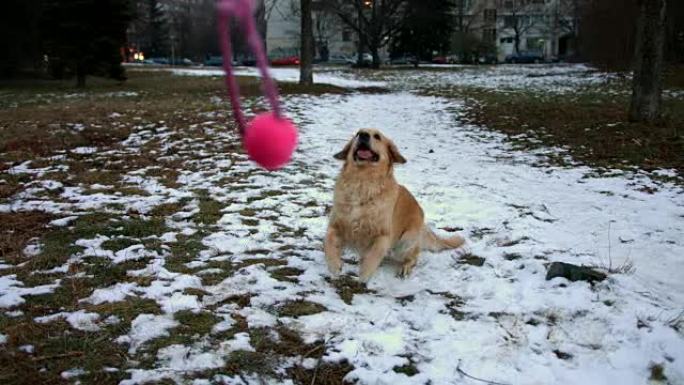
364	137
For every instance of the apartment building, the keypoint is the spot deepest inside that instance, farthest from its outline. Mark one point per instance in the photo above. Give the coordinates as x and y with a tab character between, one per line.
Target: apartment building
547	27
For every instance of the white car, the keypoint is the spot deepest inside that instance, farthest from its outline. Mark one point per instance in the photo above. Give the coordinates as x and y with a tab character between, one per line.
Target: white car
339	59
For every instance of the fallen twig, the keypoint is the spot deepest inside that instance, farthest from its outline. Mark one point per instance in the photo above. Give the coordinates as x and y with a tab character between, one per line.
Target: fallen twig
56	356
463	373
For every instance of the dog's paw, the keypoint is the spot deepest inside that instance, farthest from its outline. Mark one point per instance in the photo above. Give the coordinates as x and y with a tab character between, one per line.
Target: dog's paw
335	267
405	271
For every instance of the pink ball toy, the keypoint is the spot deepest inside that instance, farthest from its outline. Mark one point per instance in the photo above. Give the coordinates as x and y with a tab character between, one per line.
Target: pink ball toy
270	141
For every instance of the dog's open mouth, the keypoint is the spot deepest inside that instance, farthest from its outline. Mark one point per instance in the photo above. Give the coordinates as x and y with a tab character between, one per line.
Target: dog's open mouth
365	154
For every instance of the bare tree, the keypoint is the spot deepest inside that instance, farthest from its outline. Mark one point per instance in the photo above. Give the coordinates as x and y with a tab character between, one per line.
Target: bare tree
606	37
561	19
262	13
648	61
325	27
469	16
375	21
521	16
307	44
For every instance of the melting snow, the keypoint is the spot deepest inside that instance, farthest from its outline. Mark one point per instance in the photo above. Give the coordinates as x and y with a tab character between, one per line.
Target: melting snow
146	327
502	321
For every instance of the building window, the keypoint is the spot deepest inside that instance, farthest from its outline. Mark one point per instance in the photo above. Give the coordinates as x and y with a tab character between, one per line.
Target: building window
490	15
510	21
535	44
346	35
508	4
506	40
489	34
462	4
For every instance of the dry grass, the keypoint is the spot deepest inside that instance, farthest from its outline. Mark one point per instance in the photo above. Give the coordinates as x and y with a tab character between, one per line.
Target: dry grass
17	229
38	115
348	286
592	126
37	121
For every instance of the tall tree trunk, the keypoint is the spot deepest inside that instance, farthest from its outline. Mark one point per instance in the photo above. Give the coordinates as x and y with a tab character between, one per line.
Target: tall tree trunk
307	45
376	56
362	39
80	75
648	61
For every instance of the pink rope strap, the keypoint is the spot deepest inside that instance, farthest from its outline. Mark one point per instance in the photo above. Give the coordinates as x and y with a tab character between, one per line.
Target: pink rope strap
241	12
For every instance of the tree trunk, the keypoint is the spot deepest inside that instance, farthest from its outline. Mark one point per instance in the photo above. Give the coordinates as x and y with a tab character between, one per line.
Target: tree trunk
80	75
376	56
648	61
307	45
362	40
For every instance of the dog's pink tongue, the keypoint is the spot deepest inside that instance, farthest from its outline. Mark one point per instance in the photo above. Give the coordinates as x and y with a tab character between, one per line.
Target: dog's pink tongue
364	154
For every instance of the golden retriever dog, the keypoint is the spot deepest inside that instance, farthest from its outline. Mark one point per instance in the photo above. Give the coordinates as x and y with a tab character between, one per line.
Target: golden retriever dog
373	214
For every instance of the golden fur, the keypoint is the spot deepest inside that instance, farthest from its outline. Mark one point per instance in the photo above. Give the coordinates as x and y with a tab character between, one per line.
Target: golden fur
375	215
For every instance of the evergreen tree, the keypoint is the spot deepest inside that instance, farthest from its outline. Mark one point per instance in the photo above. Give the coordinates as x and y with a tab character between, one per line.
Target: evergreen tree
427	28
158	30
20	43
85	37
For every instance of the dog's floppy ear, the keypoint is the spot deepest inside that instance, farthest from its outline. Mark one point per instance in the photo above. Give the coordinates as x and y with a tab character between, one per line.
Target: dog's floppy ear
394	154
342	155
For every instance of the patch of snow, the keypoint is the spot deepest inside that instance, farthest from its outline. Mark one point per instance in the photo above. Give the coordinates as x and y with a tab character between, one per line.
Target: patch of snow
117	292
32	249
72	373
290	75
61	222
12	292
184	358
84	150
240	341
177	302
80	320
146	327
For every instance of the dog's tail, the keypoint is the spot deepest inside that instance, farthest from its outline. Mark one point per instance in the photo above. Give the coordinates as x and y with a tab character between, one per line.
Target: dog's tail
432	242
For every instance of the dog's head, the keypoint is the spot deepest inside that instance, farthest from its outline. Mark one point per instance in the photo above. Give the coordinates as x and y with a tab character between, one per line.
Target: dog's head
370	148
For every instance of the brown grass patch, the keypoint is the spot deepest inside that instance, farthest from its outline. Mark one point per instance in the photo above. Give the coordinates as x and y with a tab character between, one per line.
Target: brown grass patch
592	126
300	308
16	229
347	286
325	373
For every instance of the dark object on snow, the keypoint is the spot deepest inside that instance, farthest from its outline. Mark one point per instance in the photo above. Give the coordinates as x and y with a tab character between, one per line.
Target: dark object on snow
471	259
573	272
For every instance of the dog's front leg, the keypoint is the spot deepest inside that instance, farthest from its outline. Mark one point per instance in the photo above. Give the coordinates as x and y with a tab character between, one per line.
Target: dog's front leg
371	259
333	251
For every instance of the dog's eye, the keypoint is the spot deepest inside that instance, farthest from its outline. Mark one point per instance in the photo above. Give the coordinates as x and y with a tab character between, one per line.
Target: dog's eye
376	136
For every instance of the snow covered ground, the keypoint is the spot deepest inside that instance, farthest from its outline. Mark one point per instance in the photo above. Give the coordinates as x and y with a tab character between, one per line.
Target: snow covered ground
500	320
559	79
288	74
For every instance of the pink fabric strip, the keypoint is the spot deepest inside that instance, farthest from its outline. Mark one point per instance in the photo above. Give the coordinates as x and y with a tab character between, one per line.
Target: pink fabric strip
241	10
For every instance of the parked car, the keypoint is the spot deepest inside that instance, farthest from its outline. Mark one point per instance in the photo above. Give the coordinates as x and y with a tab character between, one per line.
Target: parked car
453	59
339	59
246	60
214	61
488	59
403	59
285	61
159	60
366	61
439	60
525	57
